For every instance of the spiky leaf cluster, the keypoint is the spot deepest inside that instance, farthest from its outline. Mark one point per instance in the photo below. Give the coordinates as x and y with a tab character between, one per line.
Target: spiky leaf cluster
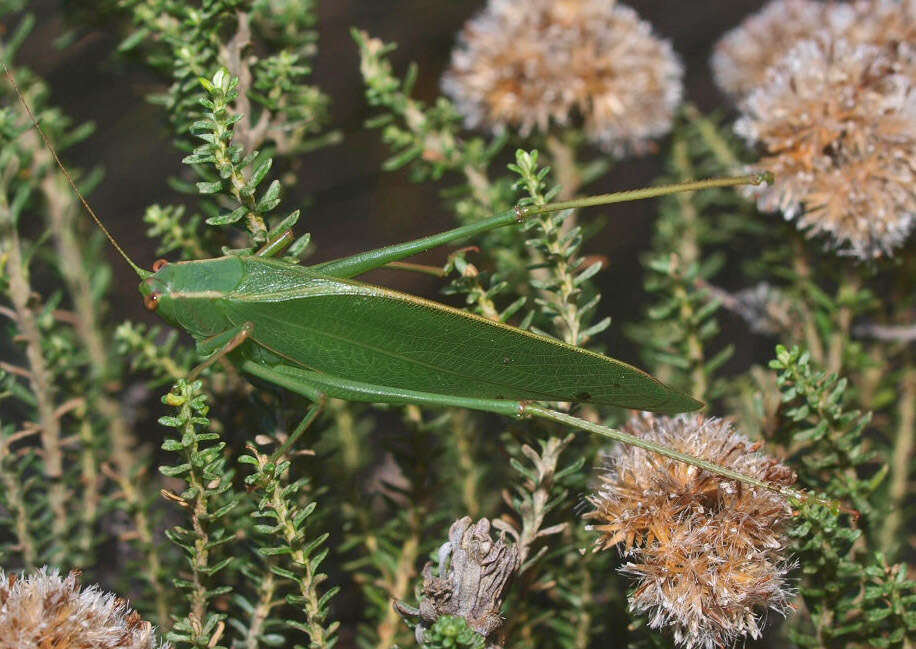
828	438
291	553
853	597
208	497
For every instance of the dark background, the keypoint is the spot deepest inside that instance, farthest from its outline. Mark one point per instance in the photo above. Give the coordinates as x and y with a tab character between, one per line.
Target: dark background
351	204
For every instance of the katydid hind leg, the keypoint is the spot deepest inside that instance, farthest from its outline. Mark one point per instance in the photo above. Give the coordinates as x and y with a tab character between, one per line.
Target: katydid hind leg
317	385
221	344
357	264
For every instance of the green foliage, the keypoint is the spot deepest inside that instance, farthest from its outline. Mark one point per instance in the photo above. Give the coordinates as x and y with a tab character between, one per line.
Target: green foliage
852	597
829	440
284	543
565	297
679	337
424	137
452	632
208	498
306	544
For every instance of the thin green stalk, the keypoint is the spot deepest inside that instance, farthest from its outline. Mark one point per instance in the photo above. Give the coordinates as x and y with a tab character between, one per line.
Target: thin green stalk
397	584
717	145
90	478
839	338
127	465
689	249
470	472
308	583
803	274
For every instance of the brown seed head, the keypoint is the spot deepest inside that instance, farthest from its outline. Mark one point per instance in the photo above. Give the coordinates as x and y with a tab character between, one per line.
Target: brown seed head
527	65
708	554
44	610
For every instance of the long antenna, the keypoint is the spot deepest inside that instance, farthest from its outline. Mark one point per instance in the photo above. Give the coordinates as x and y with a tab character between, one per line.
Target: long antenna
28	109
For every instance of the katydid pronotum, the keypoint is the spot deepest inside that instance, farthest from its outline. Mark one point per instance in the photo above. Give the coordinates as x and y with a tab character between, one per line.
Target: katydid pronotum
317	332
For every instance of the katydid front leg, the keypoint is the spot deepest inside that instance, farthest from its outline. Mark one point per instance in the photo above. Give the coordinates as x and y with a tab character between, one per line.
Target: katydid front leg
219	345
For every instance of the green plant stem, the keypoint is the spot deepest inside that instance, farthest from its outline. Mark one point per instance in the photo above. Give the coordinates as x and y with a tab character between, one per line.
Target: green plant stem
266	587
840	336
901	458
536	509
90	478
479	184
16	501
397	584
584	617
563	163
803	275
464	437
689	252
61	211
308	584
41	383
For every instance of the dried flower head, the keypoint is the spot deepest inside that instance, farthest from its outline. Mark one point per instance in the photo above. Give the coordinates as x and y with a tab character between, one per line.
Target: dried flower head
525	65
837	125
887	24
44	610
708	554
743	56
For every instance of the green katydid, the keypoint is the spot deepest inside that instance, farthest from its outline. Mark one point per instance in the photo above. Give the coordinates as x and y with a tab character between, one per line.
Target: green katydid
317	332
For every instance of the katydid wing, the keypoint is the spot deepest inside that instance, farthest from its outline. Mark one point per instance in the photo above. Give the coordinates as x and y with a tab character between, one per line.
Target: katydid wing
374	335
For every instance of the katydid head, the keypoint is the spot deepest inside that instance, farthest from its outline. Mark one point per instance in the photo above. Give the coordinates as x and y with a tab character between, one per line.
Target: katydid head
156	290
184	293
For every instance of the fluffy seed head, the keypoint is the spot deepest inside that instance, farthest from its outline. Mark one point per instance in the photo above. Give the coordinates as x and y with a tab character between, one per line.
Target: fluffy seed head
742	57
707	554
527	65
44	610
837	125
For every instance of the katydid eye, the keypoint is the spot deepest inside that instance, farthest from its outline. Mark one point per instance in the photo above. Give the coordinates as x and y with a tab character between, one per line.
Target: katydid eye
158	264
151	301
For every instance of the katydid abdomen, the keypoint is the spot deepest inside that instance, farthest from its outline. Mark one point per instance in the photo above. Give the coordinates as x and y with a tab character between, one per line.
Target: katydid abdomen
357	331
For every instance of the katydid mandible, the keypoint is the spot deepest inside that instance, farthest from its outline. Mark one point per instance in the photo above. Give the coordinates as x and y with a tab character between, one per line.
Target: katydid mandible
317	332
